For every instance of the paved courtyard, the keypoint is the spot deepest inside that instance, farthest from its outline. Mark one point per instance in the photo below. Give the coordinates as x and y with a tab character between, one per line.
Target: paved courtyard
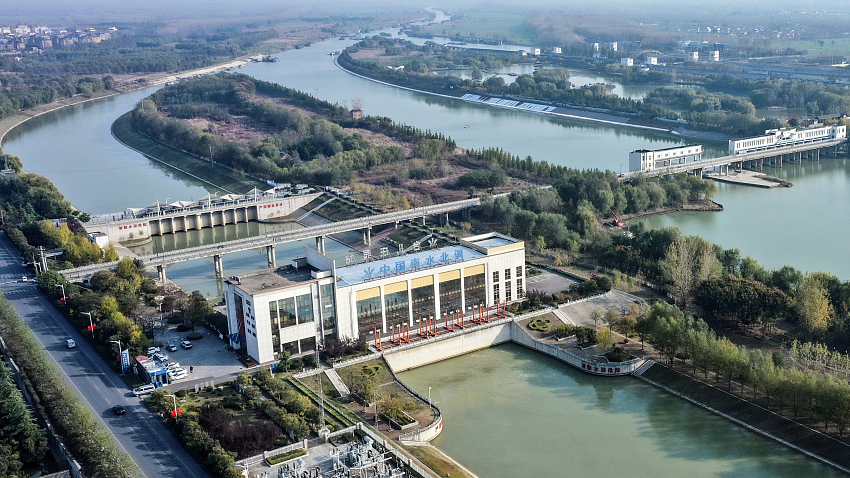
208	358
549	282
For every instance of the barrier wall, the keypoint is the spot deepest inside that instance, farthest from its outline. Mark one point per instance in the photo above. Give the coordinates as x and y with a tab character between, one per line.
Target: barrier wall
432	350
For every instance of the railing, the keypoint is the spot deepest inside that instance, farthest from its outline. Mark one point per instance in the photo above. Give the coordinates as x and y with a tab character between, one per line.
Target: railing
236	245
709	163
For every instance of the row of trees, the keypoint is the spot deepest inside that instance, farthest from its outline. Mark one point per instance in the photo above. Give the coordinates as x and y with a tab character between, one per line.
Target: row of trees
549	85
87	440
568	215
19	92
23	442
822	397
112	300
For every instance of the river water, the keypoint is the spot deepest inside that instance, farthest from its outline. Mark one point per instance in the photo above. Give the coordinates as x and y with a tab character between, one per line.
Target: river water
509	412
537	414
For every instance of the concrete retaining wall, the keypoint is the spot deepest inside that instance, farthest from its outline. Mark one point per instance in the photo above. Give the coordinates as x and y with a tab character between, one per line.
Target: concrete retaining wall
440	348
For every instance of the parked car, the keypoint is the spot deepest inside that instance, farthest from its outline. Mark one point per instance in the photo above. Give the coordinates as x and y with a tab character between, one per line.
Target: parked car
153	350
172	365
177	374
70	343
24	278
144	390
119	409
171	348
160	357
186	344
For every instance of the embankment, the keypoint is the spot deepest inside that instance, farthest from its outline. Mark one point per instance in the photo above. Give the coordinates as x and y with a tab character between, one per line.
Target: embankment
755	418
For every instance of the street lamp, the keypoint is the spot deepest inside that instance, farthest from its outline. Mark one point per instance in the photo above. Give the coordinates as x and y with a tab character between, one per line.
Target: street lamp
91	324
174	397
120	352
429	397
63	291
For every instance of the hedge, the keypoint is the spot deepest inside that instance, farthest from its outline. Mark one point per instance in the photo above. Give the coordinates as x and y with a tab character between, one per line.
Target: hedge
274	460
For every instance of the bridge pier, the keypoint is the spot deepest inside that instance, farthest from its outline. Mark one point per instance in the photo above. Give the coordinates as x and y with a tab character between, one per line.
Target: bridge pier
270	255
367	236
320	244
160	270
219	268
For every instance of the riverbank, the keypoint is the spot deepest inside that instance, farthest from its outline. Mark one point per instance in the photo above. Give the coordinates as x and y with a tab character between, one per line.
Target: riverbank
752	416
567	112
703	206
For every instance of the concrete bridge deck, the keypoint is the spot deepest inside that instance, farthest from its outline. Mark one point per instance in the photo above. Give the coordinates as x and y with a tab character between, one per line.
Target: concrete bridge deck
160	260
731	159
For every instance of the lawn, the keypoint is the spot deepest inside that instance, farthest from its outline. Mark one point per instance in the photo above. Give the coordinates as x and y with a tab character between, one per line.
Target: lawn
489	25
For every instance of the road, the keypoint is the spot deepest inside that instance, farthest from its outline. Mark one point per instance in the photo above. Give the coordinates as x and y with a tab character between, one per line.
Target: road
153	447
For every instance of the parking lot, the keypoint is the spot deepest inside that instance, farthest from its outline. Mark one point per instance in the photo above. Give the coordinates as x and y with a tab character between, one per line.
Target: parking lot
549	282
208	358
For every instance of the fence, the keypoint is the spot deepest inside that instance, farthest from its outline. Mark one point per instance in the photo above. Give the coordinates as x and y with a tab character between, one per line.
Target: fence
521	337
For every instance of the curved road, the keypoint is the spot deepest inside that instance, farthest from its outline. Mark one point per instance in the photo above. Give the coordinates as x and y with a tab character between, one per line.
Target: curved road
153	447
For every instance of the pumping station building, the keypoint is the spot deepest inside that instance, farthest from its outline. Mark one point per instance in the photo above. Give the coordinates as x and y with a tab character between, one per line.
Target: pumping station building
387	298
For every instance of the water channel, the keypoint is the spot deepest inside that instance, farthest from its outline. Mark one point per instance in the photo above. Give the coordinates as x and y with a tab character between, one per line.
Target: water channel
511	412
536	413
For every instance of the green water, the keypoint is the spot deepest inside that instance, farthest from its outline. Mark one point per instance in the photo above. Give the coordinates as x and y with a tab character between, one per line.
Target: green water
509	412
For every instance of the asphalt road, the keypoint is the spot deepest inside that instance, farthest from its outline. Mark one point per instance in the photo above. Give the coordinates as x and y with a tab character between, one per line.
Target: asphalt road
153	447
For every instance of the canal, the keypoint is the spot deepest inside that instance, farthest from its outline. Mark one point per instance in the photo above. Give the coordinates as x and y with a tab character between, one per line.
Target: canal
512	412
509	412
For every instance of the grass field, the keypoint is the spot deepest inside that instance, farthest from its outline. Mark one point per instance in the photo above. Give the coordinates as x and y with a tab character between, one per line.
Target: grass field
835	46
498	26
194	169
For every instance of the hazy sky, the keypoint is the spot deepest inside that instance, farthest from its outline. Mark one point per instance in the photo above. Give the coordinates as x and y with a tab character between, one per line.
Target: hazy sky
70	12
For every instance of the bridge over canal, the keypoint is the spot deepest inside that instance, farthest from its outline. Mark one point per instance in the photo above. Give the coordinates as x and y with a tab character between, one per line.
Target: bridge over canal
751	160
269	241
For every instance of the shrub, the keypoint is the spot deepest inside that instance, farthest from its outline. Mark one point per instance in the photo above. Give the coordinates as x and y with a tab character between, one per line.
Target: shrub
540	324
274	460
184	327
195	336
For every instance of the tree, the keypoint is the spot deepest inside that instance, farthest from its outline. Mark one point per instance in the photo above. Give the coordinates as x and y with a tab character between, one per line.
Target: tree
813	305
604	338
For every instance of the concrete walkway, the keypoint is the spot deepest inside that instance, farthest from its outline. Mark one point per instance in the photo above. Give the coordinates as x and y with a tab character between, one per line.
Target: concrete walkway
337	382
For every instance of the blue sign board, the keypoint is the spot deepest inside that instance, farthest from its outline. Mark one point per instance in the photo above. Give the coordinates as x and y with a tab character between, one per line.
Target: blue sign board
125	361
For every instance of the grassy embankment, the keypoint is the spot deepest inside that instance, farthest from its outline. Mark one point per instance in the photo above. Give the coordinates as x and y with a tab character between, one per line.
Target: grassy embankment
217	176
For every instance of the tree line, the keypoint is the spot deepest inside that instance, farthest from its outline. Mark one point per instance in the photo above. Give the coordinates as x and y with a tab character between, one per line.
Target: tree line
22	443
820	396
87	440
544	85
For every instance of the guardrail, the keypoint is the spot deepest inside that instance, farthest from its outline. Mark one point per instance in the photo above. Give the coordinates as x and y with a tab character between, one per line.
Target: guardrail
723	160
164	258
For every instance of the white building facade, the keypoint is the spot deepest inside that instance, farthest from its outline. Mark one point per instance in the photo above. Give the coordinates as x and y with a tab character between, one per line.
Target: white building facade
289	309
648	160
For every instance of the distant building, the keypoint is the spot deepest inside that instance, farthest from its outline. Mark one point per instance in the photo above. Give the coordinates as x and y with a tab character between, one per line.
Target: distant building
357	113
714	56
648	160
535	51
627	62
614	46
693	56
556	50
596	47
651	60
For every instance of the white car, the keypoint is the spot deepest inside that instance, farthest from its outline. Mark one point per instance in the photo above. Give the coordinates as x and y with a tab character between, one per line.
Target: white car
70	343
153	350
144	390
186	344
160	357
172	366
177	374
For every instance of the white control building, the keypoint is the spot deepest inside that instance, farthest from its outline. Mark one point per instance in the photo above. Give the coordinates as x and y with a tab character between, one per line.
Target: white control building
290	308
